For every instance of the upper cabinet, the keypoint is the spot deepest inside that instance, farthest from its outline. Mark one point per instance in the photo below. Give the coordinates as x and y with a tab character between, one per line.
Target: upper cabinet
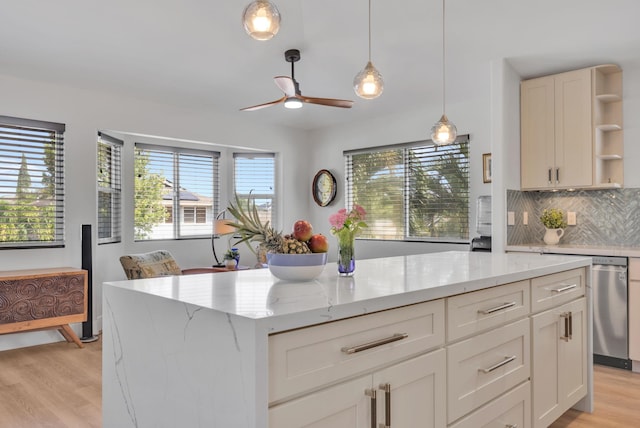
571	130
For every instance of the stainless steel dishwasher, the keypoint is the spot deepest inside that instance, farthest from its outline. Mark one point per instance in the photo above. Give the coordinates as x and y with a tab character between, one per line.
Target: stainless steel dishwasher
610	312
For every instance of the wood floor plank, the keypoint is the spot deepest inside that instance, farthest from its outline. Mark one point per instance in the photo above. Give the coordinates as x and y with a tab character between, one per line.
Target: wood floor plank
60	386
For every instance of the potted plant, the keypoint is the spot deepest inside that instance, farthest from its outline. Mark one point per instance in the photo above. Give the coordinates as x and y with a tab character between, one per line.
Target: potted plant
553	221
231	258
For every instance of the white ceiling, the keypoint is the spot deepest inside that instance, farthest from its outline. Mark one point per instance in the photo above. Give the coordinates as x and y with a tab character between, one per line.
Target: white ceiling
195	52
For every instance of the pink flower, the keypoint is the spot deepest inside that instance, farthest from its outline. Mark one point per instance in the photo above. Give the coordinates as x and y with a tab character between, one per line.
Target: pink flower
350	222
337	220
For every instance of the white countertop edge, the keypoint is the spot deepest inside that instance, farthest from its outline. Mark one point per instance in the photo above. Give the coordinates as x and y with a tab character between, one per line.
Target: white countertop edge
586	250
288	306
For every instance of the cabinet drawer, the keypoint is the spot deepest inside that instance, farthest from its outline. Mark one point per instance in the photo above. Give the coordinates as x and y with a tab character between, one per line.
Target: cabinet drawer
308	358
513	409
483	367
481	310
553	290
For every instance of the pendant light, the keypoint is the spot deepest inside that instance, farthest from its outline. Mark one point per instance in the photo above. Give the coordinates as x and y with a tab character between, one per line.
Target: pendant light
368	83
261	20
444	131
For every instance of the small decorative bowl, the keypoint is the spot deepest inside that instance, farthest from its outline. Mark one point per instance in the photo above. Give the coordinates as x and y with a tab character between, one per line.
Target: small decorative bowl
296	267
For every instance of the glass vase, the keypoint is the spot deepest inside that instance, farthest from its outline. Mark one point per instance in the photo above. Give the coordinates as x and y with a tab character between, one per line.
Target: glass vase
346	258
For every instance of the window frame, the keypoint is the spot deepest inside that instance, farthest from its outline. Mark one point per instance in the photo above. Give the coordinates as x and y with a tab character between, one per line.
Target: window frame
177	216
113	189
404	193
21	135
273	196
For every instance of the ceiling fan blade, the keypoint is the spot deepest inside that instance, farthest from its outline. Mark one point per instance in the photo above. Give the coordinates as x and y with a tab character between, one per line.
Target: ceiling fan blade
259	106
286	85
328	102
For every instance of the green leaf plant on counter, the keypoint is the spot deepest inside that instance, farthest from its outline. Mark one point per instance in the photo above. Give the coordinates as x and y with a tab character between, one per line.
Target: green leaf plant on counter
553	218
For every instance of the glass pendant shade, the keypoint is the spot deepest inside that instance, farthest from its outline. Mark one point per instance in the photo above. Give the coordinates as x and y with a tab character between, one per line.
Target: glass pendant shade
368	83
261	20
444	131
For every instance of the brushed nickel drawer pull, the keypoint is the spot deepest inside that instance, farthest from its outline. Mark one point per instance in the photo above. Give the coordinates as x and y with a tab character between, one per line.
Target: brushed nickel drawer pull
506	360
380	342
567	328
511	426
371	393
497	308
386	388
565	288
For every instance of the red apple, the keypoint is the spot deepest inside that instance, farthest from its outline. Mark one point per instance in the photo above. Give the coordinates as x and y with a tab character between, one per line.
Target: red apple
318	243
302	230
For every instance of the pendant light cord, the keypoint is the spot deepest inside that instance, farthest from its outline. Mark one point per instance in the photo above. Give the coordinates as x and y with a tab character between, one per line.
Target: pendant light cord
369	30
443	61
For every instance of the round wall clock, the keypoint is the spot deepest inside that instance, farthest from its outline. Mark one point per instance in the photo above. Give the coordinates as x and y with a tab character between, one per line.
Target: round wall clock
323	188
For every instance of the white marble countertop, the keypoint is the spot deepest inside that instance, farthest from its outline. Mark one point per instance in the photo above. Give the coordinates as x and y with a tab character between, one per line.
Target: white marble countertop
377	284
586	250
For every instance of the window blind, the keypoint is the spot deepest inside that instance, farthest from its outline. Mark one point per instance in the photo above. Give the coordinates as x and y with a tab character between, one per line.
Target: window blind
31	183
413	191
176	192
109	189
254	176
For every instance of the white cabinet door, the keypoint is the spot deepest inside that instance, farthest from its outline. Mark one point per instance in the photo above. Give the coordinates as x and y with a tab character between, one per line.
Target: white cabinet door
556	148
343	405
573	136
559	360
537	127
417	392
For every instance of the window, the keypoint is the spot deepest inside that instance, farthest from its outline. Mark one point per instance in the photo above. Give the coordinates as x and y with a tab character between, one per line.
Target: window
31	183
109	189
254	175
176	192
414	191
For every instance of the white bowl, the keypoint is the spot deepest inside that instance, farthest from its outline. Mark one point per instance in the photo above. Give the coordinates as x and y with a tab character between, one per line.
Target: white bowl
296	267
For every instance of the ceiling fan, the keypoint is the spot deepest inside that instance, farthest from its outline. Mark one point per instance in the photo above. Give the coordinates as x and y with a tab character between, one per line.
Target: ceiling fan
292	97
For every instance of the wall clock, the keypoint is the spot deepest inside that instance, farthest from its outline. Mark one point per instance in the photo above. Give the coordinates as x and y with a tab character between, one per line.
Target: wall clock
323	188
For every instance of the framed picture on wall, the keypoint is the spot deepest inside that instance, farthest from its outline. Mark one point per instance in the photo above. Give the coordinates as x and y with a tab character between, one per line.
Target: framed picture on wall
486	168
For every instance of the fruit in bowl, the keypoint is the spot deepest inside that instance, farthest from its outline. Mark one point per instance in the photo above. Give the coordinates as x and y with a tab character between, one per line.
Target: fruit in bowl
301	242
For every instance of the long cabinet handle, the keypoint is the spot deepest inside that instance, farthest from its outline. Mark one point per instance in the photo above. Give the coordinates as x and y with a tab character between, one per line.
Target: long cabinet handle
557	175
386	388
506	360
511	426
565	288
371	393
570	325
497	308
549	175
380	342
566	317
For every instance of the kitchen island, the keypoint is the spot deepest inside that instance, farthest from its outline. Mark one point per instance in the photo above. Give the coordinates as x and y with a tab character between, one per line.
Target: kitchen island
243	349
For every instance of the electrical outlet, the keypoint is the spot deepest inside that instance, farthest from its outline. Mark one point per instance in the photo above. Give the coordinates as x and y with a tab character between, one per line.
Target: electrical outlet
525	218
511	218
571	218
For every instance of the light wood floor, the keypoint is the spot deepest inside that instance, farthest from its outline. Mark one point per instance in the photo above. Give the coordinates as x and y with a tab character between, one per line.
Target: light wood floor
59	386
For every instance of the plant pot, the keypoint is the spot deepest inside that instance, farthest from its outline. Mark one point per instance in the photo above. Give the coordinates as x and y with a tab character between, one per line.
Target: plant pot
552	236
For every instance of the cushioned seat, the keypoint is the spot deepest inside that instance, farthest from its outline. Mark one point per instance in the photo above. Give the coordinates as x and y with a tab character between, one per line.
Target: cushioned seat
155	264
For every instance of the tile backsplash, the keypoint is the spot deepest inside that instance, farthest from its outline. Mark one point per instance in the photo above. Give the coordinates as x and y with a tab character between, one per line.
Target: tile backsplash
604	217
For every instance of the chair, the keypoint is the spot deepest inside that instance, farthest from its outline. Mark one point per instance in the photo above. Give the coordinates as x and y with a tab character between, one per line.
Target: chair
155	264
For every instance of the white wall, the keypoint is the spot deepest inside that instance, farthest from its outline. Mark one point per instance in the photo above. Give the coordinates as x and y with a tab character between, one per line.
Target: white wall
85	112
472	117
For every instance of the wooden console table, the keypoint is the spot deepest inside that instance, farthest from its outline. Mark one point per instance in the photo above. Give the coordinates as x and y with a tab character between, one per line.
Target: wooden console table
43	299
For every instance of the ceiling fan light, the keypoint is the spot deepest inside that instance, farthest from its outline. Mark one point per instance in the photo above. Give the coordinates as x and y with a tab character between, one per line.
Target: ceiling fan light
293	102
368	83
261	20
444	131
